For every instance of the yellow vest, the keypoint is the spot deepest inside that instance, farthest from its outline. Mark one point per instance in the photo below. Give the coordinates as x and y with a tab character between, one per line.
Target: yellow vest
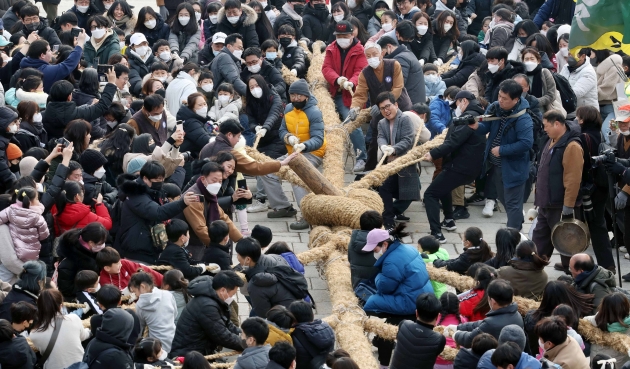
298	125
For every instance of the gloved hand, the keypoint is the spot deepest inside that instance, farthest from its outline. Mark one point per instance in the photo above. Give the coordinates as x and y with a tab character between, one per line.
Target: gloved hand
201	266
213	268
615	168
86	309
387	150
353	113
293	140
567	211
341	80
438	62
163	12
421	62
620	200
424	256
450	330
348	85
299	147
260	131
374	111
294	72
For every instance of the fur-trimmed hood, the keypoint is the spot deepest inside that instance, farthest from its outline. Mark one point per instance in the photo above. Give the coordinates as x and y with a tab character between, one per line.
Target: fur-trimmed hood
248	18
38	97
134	188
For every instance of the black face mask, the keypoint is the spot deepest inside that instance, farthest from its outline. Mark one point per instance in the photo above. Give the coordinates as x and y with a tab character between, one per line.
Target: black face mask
593	61
299	104
33	26
299	8
14	168
320	7
156	186
285	42
523	39
572	62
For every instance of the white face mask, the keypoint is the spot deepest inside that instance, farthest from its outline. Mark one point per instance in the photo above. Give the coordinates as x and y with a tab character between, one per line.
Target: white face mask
155	118
100	172
166	56
13	128
207	87
263	4
107	6
214	19
338	18
377	255
257	93
202	111
237	53
150	24
37	117
122	44
541	344
493	68
111	124
564	51
626	133
213	188
387	27
197	16
81	181
183	20
254	68
230	299
447	27
98	33
352	4
374	62
161	79
344	42
142	50
422	29
432	78
530	66
97	288
233	20
544	33
223	99
83	8
458	112
39	187
163	355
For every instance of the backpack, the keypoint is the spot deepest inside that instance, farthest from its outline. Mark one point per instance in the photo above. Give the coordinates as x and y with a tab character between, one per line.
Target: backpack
87	362
569	100
292	280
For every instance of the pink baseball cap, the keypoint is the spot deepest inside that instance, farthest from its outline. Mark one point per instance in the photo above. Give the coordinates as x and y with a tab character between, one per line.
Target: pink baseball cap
374	238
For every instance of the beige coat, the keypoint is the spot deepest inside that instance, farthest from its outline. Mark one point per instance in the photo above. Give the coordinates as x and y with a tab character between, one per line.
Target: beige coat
568	355
608	77
550	100
475	86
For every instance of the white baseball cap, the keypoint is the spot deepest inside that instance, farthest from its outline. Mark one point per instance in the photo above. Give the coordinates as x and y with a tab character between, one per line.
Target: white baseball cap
219	38
137	39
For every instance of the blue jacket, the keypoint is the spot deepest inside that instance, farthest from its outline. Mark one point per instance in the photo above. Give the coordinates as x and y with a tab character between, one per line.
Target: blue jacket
293	261
516	142
526	361
54	73
402	277
546	11
440	116
433	90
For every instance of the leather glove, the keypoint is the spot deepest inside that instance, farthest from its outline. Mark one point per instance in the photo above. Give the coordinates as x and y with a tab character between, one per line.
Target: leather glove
163	12
567	211
387	150
293	140
374	111
438	62
353	113
620	200
615	168
260	131
348	86
294	72
341	80
299	147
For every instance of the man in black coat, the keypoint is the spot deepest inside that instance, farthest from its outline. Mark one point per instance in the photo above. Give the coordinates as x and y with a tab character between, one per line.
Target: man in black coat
109	348
291	14
14	350
499	69
205	323
411	68
239	18
418	346
293	56
31	22
316	21
256	64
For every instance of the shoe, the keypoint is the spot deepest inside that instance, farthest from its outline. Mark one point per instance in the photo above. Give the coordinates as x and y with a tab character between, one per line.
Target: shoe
246	232
460	213
401	218
359	166
626	277
440	237
626	256
449	225
623	249
257	207
476	200
299	225
282	213
613	269
560	267
488	210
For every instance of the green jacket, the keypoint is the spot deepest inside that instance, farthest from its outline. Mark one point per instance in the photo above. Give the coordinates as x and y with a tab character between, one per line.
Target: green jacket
441	254
110	46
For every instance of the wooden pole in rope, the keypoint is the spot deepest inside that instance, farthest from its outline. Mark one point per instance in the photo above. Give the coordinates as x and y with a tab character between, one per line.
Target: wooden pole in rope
256	142
315	181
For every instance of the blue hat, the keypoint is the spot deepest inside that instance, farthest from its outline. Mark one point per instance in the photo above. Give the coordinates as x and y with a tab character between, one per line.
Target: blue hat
136	164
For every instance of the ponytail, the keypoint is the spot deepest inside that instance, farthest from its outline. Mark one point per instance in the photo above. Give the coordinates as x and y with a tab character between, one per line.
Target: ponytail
482	251
26	195
175	280
484	276
67	195
397	233
526	251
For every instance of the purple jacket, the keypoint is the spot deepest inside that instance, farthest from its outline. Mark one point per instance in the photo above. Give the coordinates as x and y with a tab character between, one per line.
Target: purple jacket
27	227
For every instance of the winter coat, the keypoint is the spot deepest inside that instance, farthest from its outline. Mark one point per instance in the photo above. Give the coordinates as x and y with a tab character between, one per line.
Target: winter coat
14	296
27	227
442	254
363	13
271	144
272	75
568	355
511	69
599	283
417	346
475	86
227	68
231	110
401	139
59	113
558	10
141	212
525	362
10	18
246	26
526	280
180	300
353	64
422	47
127	269
548	100
197	136
501	35
68	349
205	324
28	137
265	291
621	357
465	359
434	89
459	76
110	193
361	262
441	44
218	254
467	302
157	310
256	357
607	78
312	337
277	334
294	57
20	95
78	215
177	257
285	18
493	323
244	164
83	17
137	70
316	23
516	142
161	31
178	90
307	125
17	354
441	116
43	31
583	81
114	338
402	277
109	47
185	44
74	258
56	72
412	73
483	8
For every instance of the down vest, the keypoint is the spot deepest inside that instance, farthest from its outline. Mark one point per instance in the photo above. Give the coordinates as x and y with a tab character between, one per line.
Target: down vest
418	346
27	227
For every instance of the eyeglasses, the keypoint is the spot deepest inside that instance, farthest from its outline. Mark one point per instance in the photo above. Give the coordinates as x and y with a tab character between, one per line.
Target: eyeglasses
386	107
30	20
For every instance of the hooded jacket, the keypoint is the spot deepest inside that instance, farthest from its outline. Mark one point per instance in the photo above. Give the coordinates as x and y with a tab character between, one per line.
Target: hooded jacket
185	44
511	69
264	289
465	359
56	72
109	348
493	323
568	355
271	144
137	70
43	31
226	67
157	310
374	24
442	254
197	136
109	46
310	134
205	323
361	262
256	357
17	354
246	26
78	215
466	67
74	258
417	347
161	31
21	95
272	75
353	64
27	227
412	73
277	334
598	282
525	362
312	337
316	25
583	81
526	280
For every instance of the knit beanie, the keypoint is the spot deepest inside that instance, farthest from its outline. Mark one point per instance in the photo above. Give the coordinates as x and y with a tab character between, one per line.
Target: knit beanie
300	87
27	165
513	333
91	160
136	164
13	152
7	115
262	234
430	67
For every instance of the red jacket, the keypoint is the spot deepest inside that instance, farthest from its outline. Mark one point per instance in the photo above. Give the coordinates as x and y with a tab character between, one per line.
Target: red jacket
121	280
78	215
353	64
467	302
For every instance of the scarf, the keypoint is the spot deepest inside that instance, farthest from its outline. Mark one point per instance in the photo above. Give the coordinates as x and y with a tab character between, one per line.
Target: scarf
536	88
97	45
617	327
582	276
211	211
122	23
145	58
291	13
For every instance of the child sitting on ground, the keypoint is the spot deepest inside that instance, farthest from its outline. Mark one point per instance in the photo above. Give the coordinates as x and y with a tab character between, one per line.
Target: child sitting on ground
362	262
149	351
218	251
431	251
475	249
118	271
448	315
254	334
280	322
485	25
86	282
566	312
175	253
473	305
109	297
432	81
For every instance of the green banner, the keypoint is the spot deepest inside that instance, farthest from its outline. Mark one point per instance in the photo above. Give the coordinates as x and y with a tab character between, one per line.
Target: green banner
601	24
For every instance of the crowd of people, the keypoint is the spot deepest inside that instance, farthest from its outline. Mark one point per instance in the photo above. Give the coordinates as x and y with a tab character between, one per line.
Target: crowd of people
123	136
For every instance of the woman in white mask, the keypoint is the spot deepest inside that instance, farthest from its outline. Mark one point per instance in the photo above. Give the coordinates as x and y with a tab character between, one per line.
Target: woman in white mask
210	24
185	33
122	17
470	59
184	84
264	114
195	116
541	83
422	44
31	131
151	25
445	35
339	11
227	105
103	43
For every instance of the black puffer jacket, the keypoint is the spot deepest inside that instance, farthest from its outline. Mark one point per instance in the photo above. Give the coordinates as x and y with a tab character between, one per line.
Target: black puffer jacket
197	136
317	337
511	69
206	56
271	75
109	349
417	346
141	211
422	48
246	26
461	263
458	77
218	254
264	289
161	31
28	136
316	23
205	323
6	176
110	193
412	73
271	144
16	295
361	262
74	258
294	57
44	32
179	258
363	13
137	71
16	354
466	359
283	19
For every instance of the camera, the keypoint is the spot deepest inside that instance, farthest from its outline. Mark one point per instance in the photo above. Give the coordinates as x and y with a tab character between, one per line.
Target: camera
464	120
187	156
606	156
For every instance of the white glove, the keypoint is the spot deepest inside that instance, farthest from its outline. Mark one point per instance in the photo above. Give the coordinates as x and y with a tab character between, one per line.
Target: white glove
294	72
387	150
438	62
421	61
348	85
86	309
260	131
201	266
132	298
293	140
341	81
213	268
299	147
449	330
126	292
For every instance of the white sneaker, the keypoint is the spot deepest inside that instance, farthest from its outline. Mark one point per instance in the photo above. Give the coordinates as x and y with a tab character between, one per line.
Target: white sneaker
359	166
623	249
488	210
627	256
257	207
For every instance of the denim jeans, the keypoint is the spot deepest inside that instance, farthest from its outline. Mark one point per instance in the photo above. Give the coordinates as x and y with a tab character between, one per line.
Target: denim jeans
249	135
607	112
356	136
511	198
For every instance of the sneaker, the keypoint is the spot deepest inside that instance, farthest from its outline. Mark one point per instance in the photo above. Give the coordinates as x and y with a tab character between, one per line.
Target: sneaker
282	213
257	207
448	224
299	225
476	200
359	166
460	213
626	277
560	267
488	210
401	218
623	249
439	236
626	256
